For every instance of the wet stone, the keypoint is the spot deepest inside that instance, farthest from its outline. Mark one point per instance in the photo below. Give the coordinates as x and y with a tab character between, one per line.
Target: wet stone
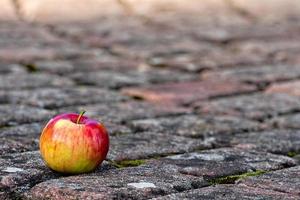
20	138
51	98
33	80
257	75
233	192
129	78
19	114
258	106
222	162
187	92
286	181
195	126
141	182
283	142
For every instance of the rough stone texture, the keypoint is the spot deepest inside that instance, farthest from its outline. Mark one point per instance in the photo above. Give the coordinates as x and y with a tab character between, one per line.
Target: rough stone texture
285	142
286	181
257	75
232	192
130	183
197	97
287	121
34	80
195	126
52	98
223	162
258	106
187	92
290	88
16	114
20	138
129	78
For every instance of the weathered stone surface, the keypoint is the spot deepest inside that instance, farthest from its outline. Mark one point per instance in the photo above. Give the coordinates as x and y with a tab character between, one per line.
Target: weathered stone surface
122	112
20	138
59	97
257	75
286	181
195	126
152	144
33	80
284	142
232	192
290	88
187	92
55	67
224	162
258	106
287	121
15	114
131	183
130	78
19	172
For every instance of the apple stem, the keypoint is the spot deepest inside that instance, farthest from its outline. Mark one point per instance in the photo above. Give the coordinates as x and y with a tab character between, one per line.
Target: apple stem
80	115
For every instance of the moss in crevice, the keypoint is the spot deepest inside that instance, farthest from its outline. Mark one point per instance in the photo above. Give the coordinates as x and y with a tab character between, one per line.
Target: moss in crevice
233	178
30	67
126	163
292	154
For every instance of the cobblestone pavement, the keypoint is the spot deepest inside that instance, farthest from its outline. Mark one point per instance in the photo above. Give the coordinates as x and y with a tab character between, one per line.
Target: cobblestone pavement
195	110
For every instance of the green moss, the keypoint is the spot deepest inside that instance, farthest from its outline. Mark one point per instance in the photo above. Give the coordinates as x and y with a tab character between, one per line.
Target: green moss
127	163
291	154
233	178
31	67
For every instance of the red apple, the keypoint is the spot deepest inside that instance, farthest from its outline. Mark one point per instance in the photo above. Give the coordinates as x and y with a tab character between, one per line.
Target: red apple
72	143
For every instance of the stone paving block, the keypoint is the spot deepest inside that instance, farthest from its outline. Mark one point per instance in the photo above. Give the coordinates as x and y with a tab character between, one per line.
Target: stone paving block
232	192
20	114
112	79
286	121
223	162
290	88
32	80
123	112
7	68
258	106
61	67
141	182
285	142
187	92
52	98
154	144
257	75
20	138
195	126
285	180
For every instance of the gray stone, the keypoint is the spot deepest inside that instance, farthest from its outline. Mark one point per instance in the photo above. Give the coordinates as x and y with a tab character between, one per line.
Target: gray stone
284	142
52	98
33	80
223	162
285	181
141	182
19	114
20	138
230	192
258	106
259	74
195	126
129	78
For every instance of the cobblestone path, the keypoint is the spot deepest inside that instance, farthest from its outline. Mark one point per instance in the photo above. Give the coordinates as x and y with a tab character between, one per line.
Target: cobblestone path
195	110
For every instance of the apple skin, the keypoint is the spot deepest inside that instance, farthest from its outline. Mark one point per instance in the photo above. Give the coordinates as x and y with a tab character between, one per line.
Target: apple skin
72	148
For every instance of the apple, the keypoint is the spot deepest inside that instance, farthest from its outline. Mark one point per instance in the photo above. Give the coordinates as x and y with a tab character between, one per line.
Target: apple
72	143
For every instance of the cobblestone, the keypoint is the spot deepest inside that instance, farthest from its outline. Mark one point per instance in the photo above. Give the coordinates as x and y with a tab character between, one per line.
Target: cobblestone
200	99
